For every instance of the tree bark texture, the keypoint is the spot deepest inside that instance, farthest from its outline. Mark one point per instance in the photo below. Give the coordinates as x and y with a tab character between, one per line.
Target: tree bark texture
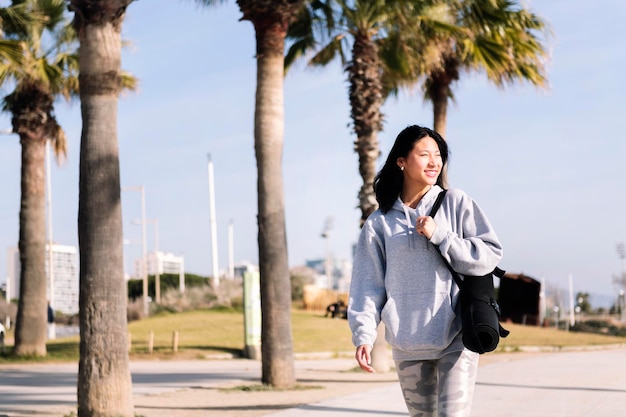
366	100
104	381
31	323
277	344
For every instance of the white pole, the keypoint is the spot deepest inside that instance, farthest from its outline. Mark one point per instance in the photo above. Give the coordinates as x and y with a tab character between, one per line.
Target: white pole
216	276
144	250
231	251
572	317
144	256
157	261
181	279
49	206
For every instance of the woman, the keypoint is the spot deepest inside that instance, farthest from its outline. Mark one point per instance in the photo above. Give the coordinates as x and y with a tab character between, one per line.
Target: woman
400	279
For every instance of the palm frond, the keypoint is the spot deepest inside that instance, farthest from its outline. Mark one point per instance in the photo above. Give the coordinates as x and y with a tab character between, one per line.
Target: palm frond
11	50
129	81
329	52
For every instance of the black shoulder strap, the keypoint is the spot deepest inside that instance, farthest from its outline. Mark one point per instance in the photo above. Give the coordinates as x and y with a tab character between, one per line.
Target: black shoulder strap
433	211
497	272
437	203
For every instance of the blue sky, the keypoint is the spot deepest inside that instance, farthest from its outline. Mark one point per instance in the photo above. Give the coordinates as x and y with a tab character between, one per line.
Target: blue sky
546	165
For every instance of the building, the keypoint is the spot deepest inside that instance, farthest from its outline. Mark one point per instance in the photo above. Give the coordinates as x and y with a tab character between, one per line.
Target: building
340	277
65	278
160	263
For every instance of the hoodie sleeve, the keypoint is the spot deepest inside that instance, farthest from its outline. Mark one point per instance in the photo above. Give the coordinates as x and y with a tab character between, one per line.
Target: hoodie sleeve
367	287
467	239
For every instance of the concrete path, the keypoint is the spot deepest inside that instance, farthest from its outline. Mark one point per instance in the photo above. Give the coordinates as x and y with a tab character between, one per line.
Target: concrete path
563	384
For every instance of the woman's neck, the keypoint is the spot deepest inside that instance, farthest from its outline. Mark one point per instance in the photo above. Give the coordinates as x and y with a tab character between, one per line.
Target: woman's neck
411	196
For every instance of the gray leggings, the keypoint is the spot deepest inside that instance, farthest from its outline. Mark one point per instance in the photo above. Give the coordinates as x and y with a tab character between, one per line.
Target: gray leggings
439	388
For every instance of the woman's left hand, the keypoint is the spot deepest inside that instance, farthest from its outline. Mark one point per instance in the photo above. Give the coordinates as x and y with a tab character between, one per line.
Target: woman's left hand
425	226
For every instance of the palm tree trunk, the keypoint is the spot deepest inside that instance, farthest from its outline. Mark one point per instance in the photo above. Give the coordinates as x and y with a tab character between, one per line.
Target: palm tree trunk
30	331
366	100
440	94
277	347
104	382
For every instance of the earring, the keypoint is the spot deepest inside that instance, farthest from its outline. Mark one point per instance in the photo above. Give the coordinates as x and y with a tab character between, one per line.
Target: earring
402	168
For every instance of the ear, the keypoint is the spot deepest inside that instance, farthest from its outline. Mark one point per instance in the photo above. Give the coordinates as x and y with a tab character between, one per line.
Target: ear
400	161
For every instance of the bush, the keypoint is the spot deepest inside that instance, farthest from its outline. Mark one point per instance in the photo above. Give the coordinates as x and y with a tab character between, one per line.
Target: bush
229	294
599	327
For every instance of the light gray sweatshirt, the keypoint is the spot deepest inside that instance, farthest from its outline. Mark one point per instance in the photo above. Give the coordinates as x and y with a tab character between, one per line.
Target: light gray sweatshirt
398	276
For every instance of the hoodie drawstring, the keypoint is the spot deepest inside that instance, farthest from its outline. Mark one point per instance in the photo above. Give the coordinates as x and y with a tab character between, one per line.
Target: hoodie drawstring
410	228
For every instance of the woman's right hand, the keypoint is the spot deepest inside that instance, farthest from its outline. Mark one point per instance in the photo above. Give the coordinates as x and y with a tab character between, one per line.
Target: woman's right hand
364	357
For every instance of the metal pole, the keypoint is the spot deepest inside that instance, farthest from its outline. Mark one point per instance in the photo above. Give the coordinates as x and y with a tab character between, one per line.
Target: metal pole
216	277
231	251
157	277
144	250
144	256
157	261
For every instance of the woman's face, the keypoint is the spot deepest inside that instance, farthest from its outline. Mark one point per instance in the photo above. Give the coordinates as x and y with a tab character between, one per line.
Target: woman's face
423	163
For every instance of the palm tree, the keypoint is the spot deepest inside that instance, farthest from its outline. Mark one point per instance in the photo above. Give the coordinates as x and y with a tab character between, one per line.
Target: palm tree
350	28
498	37
43	73
104	382
367	32
271	20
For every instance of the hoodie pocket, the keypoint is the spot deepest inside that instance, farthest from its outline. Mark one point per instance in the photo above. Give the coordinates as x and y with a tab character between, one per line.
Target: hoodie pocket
419	321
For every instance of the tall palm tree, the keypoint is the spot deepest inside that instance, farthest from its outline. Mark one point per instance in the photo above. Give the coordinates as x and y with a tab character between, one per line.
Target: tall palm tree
104	382
45	72
338	29
498	37
271	20
358	32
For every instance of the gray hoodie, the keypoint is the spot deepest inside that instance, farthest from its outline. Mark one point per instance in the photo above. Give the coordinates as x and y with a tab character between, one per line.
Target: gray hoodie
399	278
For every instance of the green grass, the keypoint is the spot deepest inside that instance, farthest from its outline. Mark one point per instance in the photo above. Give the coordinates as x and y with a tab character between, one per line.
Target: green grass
206	333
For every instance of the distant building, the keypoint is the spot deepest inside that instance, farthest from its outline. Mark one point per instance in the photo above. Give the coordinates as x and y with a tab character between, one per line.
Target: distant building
160	263
65	278
340	276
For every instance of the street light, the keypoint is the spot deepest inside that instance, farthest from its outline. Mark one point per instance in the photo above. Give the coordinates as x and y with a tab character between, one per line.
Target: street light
328	267
157	273
144	266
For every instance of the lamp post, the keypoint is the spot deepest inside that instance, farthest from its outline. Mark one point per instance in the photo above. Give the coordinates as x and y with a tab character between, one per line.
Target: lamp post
144	266
157	258
328	226
213	221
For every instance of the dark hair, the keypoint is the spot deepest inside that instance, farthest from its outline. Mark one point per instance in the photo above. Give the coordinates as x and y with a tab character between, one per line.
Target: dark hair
389	180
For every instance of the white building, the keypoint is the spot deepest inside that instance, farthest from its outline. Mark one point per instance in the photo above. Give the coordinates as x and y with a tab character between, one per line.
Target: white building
65	279
162	263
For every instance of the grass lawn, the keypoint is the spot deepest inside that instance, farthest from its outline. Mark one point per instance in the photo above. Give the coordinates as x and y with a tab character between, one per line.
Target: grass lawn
205	333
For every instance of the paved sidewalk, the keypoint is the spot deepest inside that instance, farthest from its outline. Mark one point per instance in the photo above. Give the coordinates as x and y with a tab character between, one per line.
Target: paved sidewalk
563	384
588	383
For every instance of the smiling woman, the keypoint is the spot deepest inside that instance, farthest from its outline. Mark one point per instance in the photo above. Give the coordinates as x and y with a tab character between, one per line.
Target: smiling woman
400	281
